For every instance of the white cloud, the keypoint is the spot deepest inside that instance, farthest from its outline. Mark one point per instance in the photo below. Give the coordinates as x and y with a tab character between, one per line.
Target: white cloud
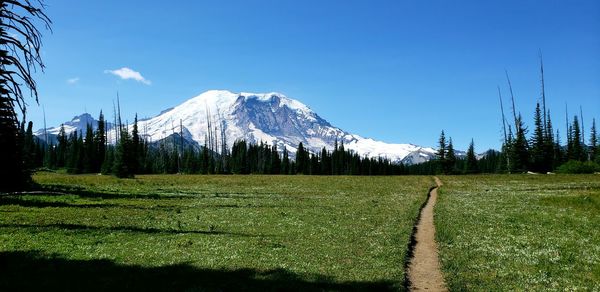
72	80
126	73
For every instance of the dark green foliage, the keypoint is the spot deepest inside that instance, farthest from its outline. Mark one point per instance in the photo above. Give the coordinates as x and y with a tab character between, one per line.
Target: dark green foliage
518	150
441	153
285	163
239	163
100	143
12	170
61	151
559	153
492	162
552	157
122	165
445	156
75	153
578	167
302	160
89	151
471	165
575	148
593	148
109	159
450	163
20	47
539	147
29	148
135	150
275	161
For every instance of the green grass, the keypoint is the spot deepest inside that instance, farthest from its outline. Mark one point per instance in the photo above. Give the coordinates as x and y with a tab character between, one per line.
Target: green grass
520	232
180	232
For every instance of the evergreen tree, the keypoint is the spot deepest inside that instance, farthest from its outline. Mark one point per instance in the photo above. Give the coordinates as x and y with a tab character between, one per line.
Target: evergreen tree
559	153
593	149
441	153
136	147
29	149
471	165
519	152
301	158
123	156
20	55
61	148
89	150
538	144
285	162
549	149
576	149
204	164
325	162
109	159
100	143
75	153
275	161
450	164
50	156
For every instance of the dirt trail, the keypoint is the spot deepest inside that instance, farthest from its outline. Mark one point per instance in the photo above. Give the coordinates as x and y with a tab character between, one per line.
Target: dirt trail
424	268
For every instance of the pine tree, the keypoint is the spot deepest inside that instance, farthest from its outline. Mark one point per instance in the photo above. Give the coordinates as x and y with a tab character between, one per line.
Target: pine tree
109	159
89	150
538	144
450	158
61	148
20	56
136	147
559	155
576	150
75	153
471	165
123	156
594	153
275	160
519	148
285	162
301	160
100	143
29	149
549	151
441	153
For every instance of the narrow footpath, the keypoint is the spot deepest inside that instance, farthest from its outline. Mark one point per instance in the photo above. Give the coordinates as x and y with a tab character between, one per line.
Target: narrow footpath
424	267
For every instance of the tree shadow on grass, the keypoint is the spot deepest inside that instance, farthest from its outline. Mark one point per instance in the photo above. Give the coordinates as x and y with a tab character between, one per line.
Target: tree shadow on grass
133	229
37	203
64	189
34	271
84	193
33	202
15	200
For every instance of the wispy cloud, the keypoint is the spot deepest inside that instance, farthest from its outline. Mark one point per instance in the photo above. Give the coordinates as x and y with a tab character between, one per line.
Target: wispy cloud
73	80
127	73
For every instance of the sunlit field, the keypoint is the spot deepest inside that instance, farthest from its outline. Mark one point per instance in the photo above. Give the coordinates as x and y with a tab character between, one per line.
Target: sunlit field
520	232
191	232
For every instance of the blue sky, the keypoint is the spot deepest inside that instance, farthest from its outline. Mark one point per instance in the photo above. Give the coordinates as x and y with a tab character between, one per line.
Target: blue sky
397	71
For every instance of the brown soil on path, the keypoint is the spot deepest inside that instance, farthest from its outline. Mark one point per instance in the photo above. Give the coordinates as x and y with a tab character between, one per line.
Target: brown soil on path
424	268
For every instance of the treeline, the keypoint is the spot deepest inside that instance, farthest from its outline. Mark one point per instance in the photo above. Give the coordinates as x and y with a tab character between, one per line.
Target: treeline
541	152
447	162
91	152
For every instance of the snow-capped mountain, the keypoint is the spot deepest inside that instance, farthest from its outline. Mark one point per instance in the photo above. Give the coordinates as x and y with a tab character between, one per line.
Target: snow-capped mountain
272	118
78	123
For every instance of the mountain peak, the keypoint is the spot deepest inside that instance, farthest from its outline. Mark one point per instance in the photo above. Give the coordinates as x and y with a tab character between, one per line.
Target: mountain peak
272	118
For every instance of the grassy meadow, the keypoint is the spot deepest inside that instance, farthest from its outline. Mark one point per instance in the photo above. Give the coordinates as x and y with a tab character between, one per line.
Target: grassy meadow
520	232
180	232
